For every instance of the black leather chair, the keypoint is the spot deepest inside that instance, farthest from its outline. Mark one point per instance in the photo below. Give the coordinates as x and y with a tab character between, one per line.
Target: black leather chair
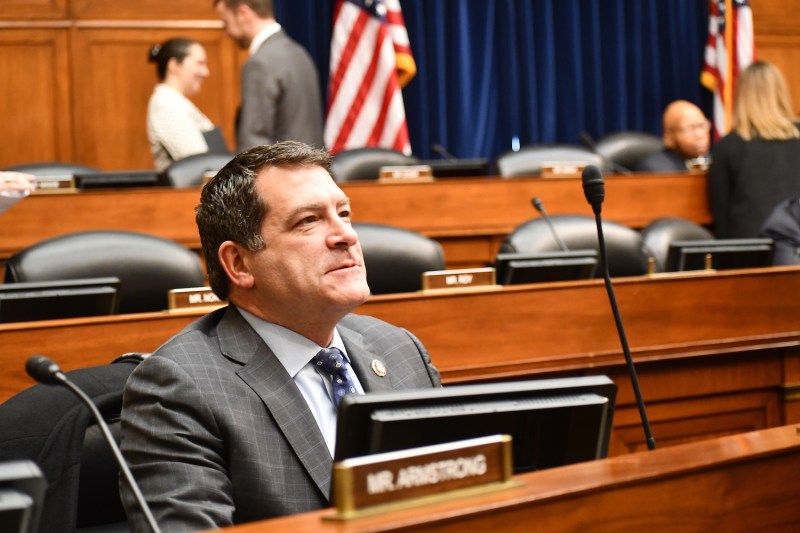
627	148
528	160
148	266
395	258
51	427
659	234
53	168
626	255
360	164
783	227
189	171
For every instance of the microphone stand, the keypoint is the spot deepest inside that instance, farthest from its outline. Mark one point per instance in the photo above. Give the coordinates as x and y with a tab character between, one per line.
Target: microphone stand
651	442
46	371
539	205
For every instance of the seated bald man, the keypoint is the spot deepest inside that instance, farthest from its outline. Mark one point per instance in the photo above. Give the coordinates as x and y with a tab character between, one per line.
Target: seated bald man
686	138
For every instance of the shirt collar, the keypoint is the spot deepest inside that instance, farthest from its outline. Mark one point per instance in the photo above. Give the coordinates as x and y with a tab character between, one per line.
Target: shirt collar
269	30
292	349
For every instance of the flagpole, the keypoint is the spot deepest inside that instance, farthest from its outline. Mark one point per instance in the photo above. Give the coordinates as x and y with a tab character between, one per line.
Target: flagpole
729	59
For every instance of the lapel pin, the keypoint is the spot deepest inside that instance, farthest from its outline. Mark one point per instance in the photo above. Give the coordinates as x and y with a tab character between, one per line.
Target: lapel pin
379	368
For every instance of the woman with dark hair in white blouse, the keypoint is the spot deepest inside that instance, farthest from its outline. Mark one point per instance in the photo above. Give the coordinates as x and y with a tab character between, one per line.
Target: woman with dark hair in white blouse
175	126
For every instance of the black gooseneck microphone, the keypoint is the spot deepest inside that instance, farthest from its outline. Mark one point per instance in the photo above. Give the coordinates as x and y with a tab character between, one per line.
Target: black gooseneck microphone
439	149
46	371
589	143
537	203
595	191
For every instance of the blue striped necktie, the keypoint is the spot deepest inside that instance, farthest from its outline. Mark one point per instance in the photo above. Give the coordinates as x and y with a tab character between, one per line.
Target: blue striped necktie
331	360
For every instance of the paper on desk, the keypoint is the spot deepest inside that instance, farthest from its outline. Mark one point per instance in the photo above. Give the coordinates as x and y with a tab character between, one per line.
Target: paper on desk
9	198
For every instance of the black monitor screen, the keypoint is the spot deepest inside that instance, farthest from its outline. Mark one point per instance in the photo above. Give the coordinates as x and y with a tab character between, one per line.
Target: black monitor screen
45	300
458	168
517	268
552	422
119	179
22	490
724	254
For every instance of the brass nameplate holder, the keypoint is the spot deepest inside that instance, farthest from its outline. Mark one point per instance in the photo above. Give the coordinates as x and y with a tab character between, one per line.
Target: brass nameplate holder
562	169
376	483
405	174
708	267
458	278
208	176
192	299
54	185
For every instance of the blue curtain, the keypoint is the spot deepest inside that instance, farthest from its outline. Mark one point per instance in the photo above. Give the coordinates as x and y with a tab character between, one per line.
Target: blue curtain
538	71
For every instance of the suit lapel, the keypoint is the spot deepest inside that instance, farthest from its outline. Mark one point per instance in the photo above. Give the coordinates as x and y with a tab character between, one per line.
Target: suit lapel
362	354
265	375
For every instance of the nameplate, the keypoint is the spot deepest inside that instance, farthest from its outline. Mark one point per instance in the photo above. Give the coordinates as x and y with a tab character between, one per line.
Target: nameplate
192	298
698	164
562	169
207	176
405	174
458	278
54	184
412	477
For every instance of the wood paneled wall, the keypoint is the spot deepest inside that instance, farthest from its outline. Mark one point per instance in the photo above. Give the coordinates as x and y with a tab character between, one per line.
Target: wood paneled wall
75	81
777	39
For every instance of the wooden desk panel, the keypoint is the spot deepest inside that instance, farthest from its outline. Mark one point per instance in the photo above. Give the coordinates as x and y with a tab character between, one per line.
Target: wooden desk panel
745	482
716	353
470	217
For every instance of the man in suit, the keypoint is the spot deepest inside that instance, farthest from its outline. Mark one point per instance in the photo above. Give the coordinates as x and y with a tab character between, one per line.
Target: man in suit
280	84
230	421
686	140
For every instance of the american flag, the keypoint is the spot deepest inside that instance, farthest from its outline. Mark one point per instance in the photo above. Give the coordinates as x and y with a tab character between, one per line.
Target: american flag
729	49
370	62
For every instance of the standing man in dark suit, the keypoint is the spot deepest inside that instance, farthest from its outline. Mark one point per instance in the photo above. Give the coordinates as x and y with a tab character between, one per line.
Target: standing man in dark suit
280	84
686	140
231	421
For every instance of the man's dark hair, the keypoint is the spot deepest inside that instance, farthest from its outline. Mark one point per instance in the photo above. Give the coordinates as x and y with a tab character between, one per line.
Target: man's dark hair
230	208
262	8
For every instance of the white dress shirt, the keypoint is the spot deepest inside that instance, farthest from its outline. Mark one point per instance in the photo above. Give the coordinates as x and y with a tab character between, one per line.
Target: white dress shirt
295	353
269	30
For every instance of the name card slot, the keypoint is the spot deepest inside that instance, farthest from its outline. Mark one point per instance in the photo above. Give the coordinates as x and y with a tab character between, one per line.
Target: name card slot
370	484
458	278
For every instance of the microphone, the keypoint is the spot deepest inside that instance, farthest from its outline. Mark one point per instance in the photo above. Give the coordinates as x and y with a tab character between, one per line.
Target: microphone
439	149
537	203
588	142
594	190
46	371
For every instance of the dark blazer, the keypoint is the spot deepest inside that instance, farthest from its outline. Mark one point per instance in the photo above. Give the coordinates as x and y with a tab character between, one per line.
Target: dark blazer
217	432
747	179
783	227
280	96
664	161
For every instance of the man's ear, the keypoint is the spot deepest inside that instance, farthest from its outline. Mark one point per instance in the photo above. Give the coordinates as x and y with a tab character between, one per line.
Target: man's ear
235	259
669	140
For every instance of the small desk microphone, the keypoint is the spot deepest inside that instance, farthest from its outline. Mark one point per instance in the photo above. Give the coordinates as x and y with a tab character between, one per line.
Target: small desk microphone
537	203
588	142
46	371
439	149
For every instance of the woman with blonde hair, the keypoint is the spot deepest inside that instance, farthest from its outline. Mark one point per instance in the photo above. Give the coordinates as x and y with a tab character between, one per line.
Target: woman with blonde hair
757	165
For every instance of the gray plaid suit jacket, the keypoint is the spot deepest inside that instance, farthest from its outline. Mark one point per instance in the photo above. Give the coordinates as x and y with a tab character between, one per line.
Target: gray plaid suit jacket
216	432
281	97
